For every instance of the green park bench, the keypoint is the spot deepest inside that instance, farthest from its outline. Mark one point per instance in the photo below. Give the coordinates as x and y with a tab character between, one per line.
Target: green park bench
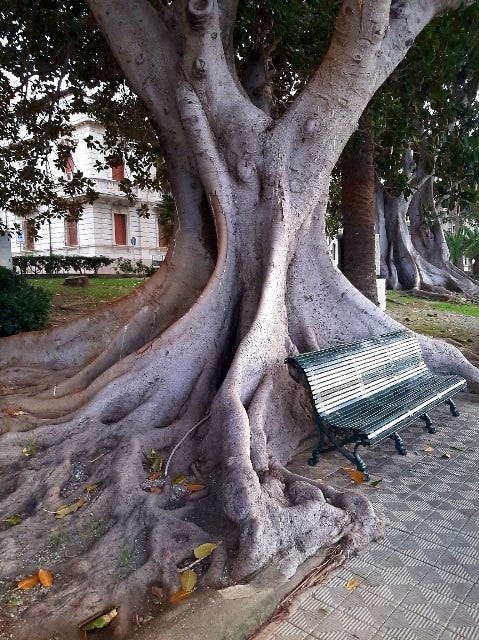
367	391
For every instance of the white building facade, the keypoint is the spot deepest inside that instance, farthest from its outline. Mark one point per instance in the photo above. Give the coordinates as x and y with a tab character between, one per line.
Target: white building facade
111	226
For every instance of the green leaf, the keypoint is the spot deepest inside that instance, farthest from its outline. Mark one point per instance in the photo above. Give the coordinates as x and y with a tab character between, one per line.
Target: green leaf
204	550
12	521
102	621
188	580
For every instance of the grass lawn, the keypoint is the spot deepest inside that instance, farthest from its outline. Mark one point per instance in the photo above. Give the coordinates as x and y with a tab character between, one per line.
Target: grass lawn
455	322
465	309
70	303
99	289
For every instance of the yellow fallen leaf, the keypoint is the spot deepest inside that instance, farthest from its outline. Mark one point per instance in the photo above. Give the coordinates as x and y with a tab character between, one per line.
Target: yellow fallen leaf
348	469
28	583
188	580
45	577
69	508
91	487
429	449
352	584
204	550
179	480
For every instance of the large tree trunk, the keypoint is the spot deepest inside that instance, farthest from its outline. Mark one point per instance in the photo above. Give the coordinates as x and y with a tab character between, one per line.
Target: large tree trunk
201	381
357	207
414	254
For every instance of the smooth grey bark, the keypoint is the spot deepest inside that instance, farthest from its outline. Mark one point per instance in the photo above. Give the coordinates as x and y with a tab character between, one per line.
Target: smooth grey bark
414	255
266	288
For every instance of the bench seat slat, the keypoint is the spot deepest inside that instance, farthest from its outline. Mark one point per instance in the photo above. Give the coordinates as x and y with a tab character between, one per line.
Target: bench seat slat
373	415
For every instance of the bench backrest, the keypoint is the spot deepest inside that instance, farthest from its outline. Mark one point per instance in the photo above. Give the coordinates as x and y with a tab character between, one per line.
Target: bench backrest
340	375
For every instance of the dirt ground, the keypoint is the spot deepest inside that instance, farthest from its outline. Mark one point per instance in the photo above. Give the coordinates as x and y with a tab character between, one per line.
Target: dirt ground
422	316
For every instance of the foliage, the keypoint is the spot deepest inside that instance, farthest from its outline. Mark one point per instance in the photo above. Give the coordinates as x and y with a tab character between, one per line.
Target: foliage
50	264
165	214
463	243
428	105
22	307
125	265
54	62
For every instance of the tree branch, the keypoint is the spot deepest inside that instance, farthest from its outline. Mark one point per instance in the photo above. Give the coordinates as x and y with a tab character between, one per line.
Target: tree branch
370	40
205	66
141	40
228	10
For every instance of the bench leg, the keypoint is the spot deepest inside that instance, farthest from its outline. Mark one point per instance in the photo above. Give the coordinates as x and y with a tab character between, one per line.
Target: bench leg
454	410
401	449
322	447
428	423
360	464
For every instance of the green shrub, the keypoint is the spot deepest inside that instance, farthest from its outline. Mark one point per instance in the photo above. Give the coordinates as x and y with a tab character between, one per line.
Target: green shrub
125	265
50	264
22	306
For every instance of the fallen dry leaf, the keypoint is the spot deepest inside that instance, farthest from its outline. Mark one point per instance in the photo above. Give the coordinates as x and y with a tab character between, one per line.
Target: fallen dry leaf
195	487
154	476
352	584
356	476
179	595
158	592
429	449
91	487
45	577
179	479
69	508
12	521
15	412
155	490
28	583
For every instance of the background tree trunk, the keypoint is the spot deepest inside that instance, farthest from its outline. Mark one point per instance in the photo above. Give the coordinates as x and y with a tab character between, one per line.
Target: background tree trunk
357	207
414	255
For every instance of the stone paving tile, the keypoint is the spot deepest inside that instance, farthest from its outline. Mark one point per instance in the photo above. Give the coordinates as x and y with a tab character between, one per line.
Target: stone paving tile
421	582
465	621
443	583
283	631
449	635
405	623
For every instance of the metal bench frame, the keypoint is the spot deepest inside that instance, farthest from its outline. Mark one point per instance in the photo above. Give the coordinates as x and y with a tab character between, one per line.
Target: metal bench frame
366	391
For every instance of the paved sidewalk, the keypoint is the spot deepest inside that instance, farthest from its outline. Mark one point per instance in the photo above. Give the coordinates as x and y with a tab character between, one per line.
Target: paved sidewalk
422	581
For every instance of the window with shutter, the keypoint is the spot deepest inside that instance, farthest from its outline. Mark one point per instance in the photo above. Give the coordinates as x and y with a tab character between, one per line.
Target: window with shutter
118	172
119	228
71	233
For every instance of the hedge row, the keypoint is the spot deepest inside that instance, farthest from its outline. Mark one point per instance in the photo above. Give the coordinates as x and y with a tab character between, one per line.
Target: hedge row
32	264
29	264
